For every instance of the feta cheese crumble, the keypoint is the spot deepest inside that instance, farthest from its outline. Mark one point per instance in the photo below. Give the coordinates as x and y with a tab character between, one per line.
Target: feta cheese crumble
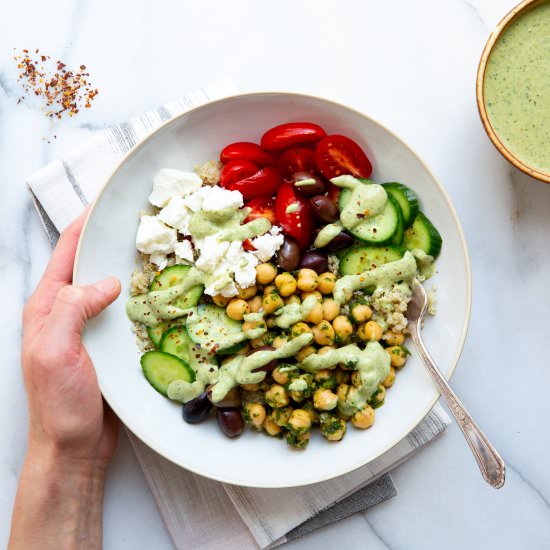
170	183
153	236
266	245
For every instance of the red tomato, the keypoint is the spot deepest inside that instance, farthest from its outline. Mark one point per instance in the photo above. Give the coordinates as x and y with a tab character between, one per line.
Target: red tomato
297	224
247	245
264	183
262	207
245	150
337	155
236	170
293	133
297	159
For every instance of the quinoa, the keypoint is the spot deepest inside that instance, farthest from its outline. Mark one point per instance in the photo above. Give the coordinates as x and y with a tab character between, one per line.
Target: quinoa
142	277
209	172
142	338
432	300
333	263
390	306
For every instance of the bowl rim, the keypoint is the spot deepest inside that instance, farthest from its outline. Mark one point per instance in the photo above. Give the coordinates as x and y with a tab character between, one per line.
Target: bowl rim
468	298
504	23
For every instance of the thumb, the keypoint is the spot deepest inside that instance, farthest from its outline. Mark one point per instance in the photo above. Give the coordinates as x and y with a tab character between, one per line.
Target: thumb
74	305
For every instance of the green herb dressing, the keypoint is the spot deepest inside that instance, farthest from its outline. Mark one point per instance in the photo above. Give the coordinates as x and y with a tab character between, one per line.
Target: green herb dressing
329	232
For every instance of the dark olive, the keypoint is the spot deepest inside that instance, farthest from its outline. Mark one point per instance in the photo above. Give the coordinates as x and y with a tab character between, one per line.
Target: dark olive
230	421
324	209
342	240
197	409
271	365
231	400
288	257
315	260
309	189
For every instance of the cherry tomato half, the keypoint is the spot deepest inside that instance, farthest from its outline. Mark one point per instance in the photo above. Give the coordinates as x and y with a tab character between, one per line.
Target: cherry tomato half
297	159
262	207
293	133
295	223
337	155
264	183
236	170
246	150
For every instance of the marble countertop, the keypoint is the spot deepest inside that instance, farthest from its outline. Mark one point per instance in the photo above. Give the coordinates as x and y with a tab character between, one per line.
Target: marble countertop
412	66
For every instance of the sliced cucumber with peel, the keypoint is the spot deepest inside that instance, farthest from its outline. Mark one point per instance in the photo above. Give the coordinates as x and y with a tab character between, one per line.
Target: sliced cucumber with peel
161	369
362	258
172	276
422	234
406	198
155	333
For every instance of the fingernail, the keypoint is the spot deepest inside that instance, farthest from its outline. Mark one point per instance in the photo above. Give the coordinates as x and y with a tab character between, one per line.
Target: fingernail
108	286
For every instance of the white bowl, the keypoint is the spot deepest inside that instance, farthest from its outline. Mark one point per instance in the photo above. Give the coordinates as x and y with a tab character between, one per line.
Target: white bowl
107	247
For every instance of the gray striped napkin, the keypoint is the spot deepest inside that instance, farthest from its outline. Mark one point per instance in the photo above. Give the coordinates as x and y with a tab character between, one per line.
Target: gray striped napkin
190	504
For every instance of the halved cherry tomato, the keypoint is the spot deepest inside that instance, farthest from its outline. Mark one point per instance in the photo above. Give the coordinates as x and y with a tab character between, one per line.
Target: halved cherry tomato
299	223
293	133
247	245
236	170
337	155
297	159
264	183
246	150
262	207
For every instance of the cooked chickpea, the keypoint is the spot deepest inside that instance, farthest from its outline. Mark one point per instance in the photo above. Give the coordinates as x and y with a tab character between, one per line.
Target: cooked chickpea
292	300
326	282
315	293
325	349
313	416
257	342
343	328
393	338
331	309
265	273
370	330
299	328
269	289
220	300
270	427
361	313
271	302
276	396
250	387
280	416
324	399
281	374
271	322
304	352
356	378
343	392
379	395
390	379
253	325
364	418
278	341
315	315
323	333
323	375
298	441
332	427
299	421
286	284
255	304
254	414
247	293
397	355
307	280
341	376
236	309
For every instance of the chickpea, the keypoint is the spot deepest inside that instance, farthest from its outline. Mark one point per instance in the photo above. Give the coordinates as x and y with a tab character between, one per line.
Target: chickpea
292	300
393	338
280	416
324	399
270	427
313	416
331	309
271	322
271	302
265	273
377	398
332	427
257	342
315	315
370	330
325	349
299	421
253	325
343	328
323	376
315	293
247	293
390	379
323	333
356	378
220	300
236	309
364	418
298	441
269	289
398	356
341	376
307	280
281	374
304	352
254	414
278	341
299	328
250	387
286	284
300	387
255	304
326	282
361	313
343	392
276	396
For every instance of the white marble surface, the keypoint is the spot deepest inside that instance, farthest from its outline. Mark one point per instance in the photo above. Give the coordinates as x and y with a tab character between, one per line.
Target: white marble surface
412	66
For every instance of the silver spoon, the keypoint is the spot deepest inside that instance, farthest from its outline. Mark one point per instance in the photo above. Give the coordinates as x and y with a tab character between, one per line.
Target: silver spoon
489	461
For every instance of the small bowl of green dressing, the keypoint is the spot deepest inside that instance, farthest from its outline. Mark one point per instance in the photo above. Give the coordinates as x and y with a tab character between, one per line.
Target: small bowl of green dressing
513	88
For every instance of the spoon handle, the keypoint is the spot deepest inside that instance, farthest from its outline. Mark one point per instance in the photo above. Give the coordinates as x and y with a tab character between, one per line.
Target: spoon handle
489	461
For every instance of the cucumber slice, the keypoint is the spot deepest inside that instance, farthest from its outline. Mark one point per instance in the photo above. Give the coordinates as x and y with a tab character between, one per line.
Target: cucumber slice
344	194
232	349
363	258
161	369
176	341
397	238
406	198
155	333
172	276
213	330
423	235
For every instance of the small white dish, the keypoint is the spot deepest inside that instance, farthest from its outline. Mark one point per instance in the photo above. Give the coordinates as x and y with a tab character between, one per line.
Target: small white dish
107	247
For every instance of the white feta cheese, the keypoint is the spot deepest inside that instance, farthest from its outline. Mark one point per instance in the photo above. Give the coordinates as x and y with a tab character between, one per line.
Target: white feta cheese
211	199
184	252
242	264
266	245
170	183
159	259
176	214
154	236
212	253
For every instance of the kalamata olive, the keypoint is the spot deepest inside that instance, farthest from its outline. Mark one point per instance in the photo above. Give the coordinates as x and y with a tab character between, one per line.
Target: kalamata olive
288	257
271	365
231	400
309	189
197	409
342	240
230	421
315	260
324	209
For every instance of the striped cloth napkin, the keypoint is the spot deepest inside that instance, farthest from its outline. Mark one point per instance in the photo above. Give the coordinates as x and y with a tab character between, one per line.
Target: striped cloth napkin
199	512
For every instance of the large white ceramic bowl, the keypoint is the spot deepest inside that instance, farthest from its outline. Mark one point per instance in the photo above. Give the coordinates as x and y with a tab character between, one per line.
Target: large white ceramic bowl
107	247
